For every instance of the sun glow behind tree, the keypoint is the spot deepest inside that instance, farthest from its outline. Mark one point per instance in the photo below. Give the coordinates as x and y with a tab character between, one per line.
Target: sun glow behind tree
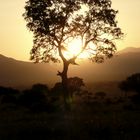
74	48
74	44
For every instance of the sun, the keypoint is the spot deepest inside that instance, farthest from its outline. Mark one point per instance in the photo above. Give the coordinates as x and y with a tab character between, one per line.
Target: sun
74	47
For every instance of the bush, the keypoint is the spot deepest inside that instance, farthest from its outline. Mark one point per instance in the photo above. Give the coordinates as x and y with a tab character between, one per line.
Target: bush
8	99
135	99
132	83
37	99
100	95
37	94
8	91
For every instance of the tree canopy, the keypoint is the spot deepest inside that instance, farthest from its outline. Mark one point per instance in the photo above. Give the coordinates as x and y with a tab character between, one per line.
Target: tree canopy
55	23
132	83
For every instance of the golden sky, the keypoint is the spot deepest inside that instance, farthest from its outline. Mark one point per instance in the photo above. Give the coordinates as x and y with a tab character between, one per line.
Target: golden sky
16	40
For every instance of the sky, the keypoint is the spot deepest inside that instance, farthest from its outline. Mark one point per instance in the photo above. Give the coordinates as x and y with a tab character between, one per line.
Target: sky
16	39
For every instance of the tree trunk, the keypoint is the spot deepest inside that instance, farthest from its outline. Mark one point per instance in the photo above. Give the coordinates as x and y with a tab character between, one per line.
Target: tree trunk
66	92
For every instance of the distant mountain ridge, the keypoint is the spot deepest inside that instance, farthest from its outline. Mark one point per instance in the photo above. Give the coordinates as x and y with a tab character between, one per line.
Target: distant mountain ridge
123	64
17	73
129	50
22	74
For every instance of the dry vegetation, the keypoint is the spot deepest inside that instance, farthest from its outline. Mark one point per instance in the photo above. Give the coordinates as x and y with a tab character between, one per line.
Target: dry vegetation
96	116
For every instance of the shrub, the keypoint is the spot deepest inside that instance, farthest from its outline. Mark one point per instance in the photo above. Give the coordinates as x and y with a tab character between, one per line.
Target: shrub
100	95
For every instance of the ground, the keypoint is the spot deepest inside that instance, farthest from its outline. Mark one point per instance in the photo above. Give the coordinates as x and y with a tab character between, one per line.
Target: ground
90	118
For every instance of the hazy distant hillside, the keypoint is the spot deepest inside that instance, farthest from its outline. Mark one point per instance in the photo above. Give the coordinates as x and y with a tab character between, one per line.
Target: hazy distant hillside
129	50
18	73
115	69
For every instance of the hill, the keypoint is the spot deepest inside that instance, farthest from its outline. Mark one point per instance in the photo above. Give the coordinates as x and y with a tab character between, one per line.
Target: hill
129	50
19	74
115	69
22	74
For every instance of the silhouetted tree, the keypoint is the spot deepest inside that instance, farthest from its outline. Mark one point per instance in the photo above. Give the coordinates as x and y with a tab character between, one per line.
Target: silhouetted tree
8	95
57	22
40	88
36	95
100	94
132	83
74	85
124	87
6	99
8	91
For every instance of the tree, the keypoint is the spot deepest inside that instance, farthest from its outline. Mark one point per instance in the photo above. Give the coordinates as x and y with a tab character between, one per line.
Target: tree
100	94
124	87
74	84
132	83
36	95
55	23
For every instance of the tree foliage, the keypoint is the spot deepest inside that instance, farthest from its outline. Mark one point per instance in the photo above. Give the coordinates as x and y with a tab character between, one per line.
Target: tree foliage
74	85
132	83
56	22
36	95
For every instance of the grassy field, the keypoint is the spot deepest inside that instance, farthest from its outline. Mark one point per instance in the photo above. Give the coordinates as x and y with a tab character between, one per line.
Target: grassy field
90	118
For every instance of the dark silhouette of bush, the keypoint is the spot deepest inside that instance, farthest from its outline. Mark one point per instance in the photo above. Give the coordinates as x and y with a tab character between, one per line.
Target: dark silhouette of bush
57	90
100	95
40	88
129	107
8	95
119	100
8	91
36	98
136	99
132	83
74	86
6	99
108	101
124	87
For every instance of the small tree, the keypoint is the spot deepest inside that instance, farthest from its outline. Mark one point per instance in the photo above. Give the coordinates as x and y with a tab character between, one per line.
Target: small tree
74	84
100	94
124	87
56	22
132	83
38	94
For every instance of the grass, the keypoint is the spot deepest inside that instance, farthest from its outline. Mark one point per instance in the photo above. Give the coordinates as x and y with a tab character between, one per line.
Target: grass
87	120
92	117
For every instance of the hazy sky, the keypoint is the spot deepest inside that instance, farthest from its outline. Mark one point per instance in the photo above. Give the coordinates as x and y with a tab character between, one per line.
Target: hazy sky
16	40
